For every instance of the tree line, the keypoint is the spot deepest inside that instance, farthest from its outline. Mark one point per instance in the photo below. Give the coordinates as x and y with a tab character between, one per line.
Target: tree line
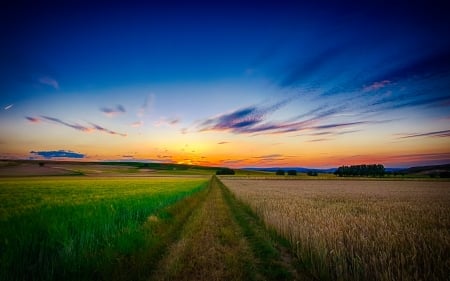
376	170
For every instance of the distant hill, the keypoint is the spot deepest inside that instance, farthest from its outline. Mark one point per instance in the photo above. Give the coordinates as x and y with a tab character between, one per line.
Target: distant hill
298	169
435	170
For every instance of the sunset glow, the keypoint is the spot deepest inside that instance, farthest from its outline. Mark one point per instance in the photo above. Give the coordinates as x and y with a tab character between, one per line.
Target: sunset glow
261	85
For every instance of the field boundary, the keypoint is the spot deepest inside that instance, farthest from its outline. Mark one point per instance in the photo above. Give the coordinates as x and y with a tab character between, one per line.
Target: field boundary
276	260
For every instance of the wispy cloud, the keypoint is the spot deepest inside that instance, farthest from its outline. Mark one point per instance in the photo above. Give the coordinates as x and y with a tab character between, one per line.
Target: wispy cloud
113	111
8	106
435	63
33	119
147	105
253	119
167	121
137	124
339	125
73	126
49	81
332	133
223	142
268	156
444	133
320	140
102	129
59	154
376	86
303	69
250	119
76	126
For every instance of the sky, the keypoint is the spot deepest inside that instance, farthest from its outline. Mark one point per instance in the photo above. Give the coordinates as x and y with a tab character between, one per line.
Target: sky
235	84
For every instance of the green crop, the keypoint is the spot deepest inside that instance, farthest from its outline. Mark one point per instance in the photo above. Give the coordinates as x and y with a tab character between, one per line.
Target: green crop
53	228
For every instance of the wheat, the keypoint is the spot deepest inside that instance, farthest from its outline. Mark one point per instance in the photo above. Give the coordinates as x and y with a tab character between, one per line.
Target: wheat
358	230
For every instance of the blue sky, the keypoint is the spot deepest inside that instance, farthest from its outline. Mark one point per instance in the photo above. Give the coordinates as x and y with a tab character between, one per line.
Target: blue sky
226	83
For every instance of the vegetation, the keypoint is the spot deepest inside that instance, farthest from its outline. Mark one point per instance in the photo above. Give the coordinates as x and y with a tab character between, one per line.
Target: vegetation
361	170
357	230
225	171
312	173
292	172
280	172
79	228
210	246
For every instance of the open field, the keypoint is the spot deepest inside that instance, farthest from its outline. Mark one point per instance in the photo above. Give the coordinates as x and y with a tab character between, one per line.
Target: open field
84	228
357	230
170	226
133	228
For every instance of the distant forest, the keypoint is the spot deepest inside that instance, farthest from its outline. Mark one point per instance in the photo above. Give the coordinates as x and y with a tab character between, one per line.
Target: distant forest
375	170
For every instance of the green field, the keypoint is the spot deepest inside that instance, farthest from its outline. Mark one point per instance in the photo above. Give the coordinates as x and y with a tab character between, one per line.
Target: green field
245	227
82	228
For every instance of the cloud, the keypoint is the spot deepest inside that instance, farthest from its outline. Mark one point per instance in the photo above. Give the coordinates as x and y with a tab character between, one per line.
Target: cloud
223	142
76	126
376	86
8	106
303	70
102	129
111	112
49	81
418	159
137	124
167	122
268	156
319	140
233	162
59	154
246	120
339	125
441	134
403	102
433	64
332	133
73	126
147	105
33	119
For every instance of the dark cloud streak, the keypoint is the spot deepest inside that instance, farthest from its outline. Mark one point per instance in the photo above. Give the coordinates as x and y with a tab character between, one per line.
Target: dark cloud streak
75	126
59	154
444	134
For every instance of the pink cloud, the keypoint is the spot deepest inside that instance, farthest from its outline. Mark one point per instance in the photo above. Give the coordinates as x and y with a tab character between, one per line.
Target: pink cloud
167	122
137	124
376	86
33	119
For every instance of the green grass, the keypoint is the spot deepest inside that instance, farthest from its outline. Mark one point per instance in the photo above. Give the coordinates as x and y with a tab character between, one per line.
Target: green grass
266	244
78	228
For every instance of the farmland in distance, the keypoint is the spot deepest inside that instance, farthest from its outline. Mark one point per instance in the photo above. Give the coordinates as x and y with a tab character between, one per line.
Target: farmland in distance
357	230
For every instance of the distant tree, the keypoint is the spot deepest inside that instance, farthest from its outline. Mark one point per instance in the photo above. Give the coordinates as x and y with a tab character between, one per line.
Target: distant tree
225	171
292	172
376	170
280	172
41	164
312	173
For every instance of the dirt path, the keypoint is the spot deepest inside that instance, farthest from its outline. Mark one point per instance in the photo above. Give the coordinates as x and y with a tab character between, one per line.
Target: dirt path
211	246
221	241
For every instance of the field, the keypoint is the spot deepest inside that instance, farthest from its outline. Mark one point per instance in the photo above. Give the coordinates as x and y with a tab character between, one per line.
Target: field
86	228
357	230
138	221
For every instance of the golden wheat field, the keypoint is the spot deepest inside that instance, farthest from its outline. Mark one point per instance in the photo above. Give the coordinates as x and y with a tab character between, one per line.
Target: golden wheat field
358	230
